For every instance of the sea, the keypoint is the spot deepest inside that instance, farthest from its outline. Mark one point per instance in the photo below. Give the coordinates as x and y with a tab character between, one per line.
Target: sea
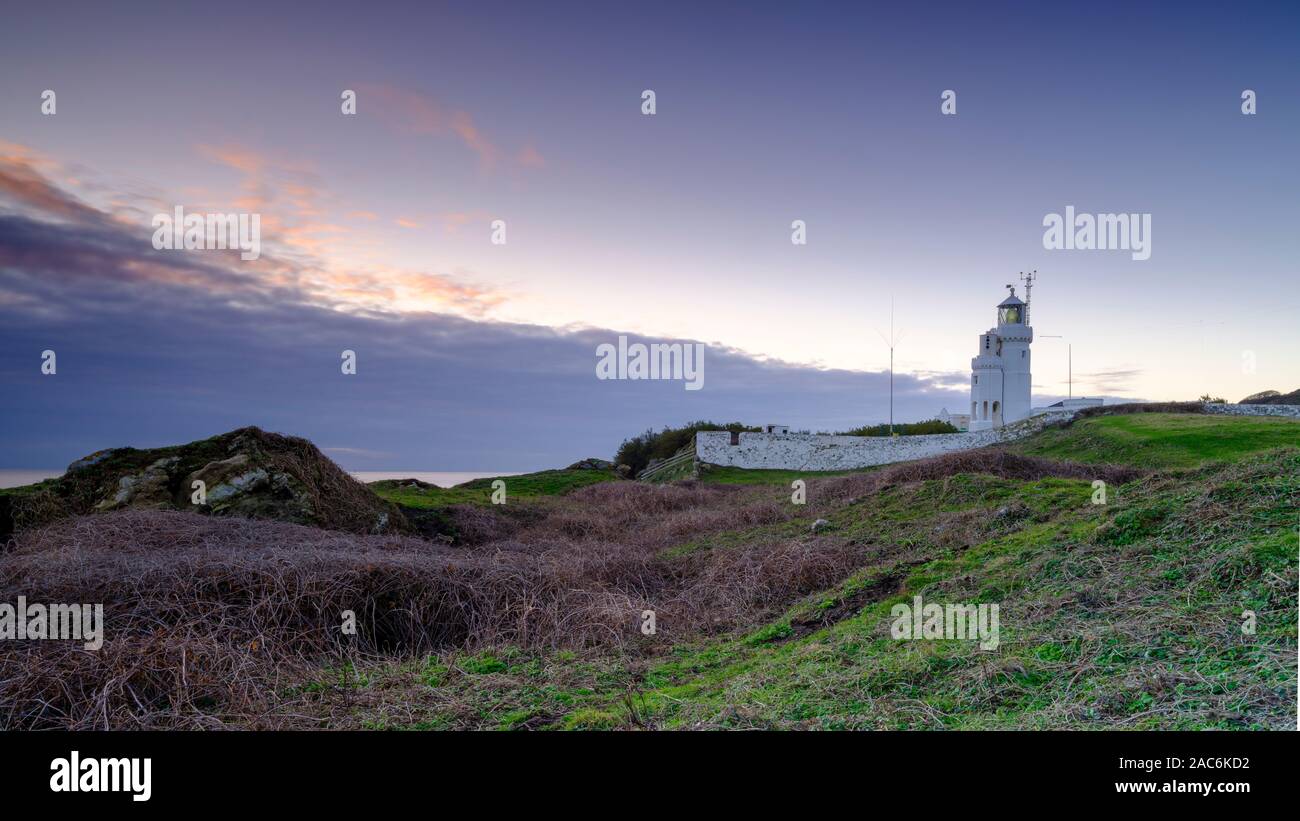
445	478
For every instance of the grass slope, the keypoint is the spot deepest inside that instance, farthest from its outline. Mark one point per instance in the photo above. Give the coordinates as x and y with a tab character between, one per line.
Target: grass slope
1128	615
1163	440
1122	615
479	491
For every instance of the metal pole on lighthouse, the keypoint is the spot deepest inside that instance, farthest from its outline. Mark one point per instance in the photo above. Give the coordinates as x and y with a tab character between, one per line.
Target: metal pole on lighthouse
1028	279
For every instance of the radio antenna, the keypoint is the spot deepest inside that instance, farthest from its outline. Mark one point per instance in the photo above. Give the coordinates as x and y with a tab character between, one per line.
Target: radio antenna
1028	279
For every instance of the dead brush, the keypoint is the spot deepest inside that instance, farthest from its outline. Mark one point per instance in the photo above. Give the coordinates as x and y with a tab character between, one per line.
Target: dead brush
208	620
211	622
724	589
202	613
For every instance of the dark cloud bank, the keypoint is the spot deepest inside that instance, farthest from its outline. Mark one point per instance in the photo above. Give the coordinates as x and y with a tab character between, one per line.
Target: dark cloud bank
162	347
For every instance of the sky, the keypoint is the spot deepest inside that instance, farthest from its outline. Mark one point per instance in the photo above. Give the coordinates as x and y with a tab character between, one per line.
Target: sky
670	227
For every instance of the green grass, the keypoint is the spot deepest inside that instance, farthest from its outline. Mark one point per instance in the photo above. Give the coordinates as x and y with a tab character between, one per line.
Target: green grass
479	491
715	474
1163	440
1110	616
1126	615
28	490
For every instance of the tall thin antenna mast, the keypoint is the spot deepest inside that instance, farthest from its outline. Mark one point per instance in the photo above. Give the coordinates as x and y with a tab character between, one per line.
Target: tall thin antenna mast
891	342
1028	279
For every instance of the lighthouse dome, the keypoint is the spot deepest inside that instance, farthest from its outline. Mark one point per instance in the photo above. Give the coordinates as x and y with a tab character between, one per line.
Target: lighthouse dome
1011	311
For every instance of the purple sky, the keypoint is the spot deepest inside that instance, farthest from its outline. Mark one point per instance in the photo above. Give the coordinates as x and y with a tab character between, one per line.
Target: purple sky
474	356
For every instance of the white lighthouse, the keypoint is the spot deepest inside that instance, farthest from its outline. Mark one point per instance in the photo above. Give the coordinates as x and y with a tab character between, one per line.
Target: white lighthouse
999	380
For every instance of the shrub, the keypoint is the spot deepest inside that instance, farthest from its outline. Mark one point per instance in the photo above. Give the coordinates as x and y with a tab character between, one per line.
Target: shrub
639	451
903	429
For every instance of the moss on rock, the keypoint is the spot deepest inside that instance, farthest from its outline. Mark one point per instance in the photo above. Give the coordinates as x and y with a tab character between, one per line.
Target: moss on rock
246	472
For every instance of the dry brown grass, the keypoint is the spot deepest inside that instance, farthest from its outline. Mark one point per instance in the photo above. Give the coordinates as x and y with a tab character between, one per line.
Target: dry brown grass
210	620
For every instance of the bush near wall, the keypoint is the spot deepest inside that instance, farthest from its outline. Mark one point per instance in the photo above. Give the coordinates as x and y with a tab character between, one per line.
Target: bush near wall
902	429
638	451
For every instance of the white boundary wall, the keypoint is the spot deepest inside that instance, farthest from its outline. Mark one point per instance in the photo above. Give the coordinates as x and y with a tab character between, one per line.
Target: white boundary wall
1292	411
802	451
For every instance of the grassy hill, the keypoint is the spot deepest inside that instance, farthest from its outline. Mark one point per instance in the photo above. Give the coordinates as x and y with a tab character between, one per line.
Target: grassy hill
1163	440
1128	614
407	493
1125	615
457	515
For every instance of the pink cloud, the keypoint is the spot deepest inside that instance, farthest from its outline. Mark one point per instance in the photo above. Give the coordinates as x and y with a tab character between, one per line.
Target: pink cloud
241	159
529	158
453	221
301	258
411	112
20	180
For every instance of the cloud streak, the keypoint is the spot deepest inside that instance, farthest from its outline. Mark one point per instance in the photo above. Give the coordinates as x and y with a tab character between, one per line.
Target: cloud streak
50	240
1110	381
413	113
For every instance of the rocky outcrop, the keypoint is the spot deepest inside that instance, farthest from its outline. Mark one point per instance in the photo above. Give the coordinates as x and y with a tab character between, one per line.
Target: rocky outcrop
246	472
